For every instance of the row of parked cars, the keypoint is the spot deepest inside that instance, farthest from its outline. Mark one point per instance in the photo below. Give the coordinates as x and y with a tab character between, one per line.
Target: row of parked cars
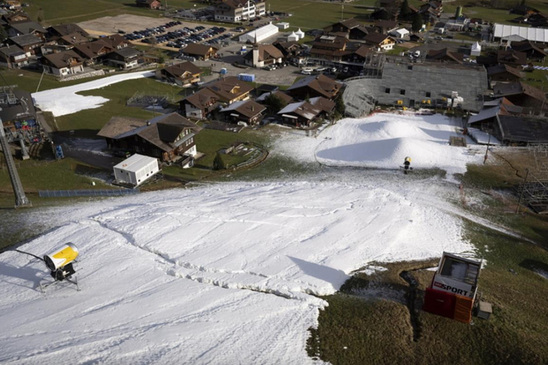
150	32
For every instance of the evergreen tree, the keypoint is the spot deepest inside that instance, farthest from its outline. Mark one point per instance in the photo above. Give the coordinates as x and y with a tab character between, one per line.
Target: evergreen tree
218	163
405	11
417	22
274	104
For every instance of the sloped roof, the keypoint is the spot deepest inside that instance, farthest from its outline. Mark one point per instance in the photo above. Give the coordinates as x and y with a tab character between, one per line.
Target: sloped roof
26	40
444	54
161	131
118	126
91	49
74	38
321	84
279	94
66	29
28	27
323	104
524	129
63	59
248	108
11	51
230	88
198	49
302	109
266	51
180	69
500	68
203	98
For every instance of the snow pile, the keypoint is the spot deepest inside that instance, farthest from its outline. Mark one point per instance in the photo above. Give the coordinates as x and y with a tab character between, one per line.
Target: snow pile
216	274
384	140
65	100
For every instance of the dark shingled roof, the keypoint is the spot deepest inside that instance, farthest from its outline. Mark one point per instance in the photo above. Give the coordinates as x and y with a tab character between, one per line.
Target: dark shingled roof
161	131
181	68
524	129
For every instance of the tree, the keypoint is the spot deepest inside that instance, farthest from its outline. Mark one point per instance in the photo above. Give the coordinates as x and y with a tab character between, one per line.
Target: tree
218	163
274	104
405	11
416	25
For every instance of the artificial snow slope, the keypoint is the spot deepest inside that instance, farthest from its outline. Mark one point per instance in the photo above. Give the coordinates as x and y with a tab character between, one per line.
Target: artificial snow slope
65	100
217	274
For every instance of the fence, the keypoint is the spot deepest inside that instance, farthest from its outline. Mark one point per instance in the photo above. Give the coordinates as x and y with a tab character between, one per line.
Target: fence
73	193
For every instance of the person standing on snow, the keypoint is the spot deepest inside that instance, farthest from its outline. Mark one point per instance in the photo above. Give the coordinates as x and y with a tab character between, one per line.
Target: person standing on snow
406	164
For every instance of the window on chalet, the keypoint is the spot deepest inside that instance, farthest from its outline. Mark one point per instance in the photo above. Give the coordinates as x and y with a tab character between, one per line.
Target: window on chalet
402	92
428	94
387	90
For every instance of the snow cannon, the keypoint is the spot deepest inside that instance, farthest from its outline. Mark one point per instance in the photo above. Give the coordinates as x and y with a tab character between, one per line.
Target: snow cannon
408	159
60	261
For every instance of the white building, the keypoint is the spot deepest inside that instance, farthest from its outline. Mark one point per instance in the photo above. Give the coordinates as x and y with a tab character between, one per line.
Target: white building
135	170
399	33
259	34
476	49
503	31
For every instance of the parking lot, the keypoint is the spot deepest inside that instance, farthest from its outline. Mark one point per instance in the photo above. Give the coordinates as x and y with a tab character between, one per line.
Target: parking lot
173	37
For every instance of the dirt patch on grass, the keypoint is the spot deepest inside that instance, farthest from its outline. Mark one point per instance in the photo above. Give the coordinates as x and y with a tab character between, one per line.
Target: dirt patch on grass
127	23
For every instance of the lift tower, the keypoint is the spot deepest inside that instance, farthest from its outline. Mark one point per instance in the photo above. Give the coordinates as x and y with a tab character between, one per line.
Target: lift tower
20	198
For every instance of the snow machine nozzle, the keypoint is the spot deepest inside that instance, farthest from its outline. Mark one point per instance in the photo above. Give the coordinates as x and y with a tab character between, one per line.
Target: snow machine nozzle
62	257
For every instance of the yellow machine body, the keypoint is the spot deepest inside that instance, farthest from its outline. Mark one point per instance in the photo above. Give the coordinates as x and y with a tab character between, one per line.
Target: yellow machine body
58	259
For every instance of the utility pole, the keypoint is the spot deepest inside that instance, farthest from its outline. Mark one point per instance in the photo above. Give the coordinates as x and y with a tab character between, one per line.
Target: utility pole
20	198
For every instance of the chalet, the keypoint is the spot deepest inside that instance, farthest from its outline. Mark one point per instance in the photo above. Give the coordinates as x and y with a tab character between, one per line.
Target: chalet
384	26
150	4
115	41
183	74
431	11
284	98
16	17
234	11
63	63
72	39
326	106
24	28
509	124
444	55
247	111
330	48
500	72
124	59
512	57
531	49
199	105
521	94
289	49
359	56
312	86
93	52
300	114
199	51
382	42
230	89
29	43
351	29
169	137
13	57
61	30
262	55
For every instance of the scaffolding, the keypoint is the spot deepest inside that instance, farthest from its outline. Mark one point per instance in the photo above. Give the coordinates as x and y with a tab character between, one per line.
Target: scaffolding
533	191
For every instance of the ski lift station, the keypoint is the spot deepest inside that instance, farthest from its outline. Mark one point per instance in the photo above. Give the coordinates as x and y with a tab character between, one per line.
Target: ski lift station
135	170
